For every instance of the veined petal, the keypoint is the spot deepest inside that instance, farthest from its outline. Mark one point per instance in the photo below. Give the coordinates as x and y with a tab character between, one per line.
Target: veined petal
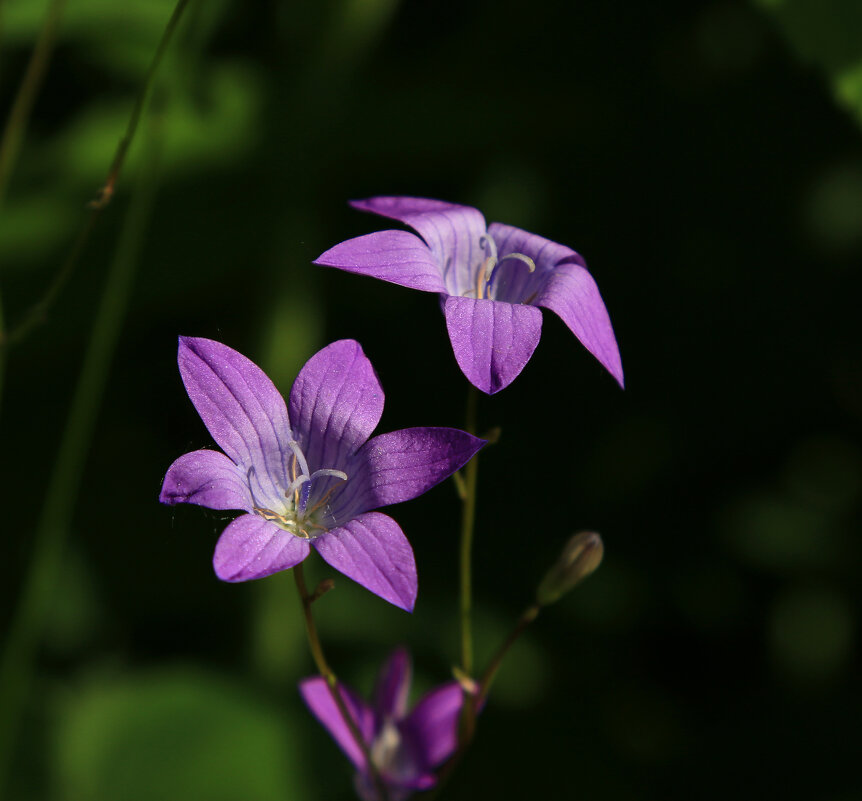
432	726
373	551
492	340
206	478
516	284
451	231
251	547
335	404
240	406
395	256
571	292
318	697
393	685
395	467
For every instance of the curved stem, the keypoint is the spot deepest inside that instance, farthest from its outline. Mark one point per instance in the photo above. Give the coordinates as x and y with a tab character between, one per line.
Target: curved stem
474	702
331	679
38	312
527	617
468	518
16	125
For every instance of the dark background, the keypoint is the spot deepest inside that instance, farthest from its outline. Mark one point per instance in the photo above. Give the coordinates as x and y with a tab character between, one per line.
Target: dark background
694	153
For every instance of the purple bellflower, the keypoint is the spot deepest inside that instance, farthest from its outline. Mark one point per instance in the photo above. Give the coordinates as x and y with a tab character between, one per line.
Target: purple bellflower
306	474
491	280
405	748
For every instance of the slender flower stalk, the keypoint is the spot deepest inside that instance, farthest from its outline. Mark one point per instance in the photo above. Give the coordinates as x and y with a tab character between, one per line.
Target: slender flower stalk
468	520
332	680
526	618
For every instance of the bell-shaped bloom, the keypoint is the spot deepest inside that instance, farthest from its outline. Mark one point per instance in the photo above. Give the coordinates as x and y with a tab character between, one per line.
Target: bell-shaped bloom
405	747
492	281
306	474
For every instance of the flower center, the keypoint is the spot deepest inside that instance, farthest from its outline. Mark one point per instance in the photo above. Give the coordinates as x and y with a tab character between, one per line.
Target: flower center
490	266
389	754
299	515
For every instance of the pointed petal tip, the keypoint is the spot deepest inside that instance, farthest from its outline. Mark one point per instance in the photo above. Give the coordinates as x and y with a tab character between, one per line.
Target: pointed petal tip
372	550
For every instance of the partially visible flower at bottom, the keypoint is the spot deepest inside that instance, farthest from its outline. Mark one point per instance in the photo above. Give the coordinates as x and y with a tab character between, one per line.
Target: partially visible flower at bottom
405	748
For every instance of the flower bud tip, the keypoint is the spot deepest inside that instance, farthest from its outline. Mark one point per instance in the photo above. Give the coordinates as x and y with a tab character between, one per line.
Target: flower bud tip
581	555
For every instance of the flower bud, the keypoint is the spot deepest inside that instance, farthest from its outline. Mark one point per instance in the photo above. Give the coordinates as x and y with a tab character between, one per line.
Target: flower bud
581	555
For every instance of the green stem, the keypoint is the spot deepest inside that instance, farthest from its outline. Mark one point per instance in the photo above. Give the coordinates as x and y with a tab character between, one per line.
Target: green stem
57	508
527	617
38	312
468	518
332	680
2	351
473	702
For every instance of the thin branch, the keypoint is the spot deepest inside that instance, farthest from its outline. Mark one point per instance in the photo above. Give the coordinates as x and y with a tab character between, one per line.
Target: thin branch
19	116
332	680
39	311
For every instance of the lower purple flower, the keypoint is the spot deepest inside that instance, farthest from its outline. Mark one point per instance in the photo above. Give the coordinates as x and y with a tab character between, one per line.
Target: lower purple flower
306	474
405	748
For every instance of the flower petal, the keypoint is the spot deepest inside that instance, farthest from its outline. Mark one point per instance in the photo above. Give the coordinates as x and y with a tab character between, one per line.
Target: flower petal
251	547
318	697
206	478
492	340
373	551
401	465
395	256
451	231
393	685
571	292
433	724
240	406
335	404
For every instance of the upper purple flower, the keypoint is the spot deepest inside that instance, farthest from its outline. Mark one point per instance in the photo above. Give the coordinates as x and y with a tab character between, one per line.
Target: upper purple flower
405	748
491	280
305	475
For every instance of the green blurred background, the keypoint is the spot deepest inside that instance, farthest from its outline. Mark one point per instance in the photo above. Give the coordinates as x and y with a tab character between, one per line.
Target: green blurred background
705	158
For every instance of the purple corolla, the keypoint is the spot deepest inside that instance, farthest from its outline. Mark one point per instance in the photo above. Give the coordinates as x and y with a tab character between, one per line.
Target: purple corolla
405	748
491	280
306	474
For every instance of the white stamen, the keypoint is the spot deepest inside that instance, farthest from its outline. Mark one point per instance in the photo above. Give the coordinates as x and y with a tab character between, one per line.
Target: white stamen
296	483
531	265
328	471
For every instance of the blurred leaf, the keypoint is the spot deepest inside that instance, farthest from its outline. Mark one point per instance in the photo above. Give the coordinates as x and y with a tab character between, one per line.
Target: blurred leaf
78	613
835	206
174	735
135	27
33	227
811	633
828	34
782	534
197	132
278	641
